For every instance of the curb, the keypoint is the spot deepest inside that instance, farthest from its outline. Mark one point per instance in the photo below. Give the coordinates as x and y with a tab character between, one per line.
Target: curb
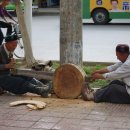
92	63
49	11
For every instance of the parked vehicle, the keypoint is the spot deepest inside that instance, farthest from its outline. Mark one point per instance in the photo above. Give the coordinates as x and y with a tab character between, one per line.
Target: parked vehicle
103	11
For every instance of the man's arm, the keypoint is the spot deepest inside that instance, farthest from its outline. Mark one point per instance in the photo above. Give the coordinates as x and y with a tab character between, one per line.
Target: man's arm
120	73
11	64
102	71
101	74
4	65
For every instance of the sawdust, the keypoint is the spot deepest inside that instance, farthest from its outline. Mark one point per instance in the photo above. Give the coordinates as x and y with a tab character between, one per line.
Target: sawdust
53	101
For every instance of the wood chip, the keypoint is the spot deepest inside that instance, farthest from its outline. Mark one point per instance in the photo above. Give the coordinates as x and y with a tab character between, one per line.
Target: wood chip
38	104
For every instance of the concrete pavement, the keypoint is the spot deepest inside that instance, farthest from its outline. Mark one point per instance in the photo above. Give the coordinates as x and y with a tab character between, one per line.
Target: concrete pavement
63	114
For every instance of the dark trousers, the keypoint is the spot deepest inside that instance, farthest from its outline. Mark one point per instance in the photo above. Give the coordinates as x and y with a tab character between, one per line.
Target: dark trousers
9	30
115	92
15	84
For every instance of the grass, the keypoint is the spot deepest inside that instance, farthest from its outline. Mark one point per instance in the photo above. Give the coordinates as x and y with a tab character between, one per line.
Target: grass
88	70
97	83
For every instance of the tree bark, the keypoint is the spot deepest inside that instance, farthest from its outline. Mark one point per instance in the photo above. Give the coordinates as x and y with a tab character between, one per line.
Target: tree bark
26	39
71	32
68	80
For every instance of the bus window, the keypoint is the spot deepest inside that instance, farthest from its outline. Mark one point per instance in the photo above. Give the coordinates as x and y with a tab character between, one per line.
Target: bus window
103	11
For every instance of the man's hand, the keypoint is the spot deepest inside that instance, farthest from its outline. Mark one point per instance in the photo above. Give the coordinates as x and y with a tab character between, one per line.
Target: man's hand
97	76
96	72
11	64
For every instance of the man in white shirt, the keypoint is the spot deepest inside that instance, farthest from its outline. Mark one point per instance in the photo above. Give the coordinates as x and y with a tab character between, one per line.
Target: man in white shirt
118	91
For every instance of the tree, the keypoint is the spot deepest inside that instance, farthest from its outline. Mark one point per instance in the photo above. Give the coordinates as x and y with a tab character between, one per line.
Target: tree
71	32
25	36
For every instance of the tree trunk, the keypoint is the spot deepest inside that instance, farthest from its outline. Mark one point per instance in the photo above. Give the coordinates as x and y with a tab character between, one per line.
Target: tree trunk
71	32
26	40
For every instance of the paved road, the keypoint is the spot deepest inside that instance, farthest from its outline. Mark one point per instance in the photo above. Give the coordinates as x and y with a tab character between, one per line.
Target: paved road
63	114
98	41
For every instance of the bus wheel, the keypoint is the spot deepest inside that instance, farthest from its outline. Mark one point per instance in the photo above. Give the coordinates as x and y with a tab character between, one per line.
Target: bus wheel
109	20
100	16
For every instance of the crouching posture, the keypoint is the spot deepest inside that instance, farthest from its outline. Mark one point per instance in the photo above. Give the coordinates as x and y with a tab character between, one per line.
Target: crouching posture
13	83
118	91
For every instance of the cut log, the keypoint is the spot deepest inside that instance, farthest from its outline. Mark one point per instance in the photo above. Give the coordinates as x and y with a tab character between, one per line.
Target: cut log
38	104
68	80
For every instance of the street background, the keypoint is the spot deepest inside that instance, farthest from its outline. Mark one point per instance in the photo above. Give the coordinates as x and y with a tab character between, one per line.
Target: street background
99	41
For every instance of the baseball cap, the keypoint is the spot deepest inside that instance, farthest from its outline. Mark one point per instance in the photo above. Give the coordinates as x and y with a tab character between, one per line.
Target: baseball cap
123	48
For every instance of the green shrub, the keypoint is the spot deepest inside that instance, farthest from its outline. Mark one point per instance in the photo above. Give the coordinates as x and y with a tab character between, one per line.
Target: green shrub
97	83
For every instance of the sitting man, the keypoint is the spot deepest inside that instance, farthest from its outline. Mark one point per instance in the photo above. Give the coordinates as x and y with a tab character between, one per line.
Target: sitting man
117	91
14	83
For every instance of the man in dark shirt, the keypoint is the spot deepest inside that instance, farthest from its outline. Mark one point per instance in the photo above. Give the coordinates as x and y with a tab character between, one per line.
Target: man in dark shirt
4	23
14	83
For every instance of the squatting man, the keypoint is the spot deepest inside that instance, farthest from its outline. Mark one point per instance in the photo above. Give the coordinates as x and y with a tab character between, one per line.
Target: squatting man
14	83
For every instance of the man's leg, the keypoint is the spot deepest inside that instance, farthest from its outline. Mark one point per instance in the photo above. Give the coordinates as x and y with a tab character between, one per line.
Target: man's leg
115	92
43	91
37	82
13	84
19	85
31	80
87	92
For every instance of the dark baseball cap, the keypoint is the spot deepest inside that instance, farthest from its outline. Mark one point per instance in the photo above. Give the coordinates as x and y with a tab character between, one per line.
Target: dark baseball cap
10	38
123	48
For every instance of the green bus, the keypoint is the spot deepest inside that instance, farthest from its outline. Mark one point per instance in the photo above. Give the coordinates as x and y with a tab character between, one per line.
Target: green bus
103	11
